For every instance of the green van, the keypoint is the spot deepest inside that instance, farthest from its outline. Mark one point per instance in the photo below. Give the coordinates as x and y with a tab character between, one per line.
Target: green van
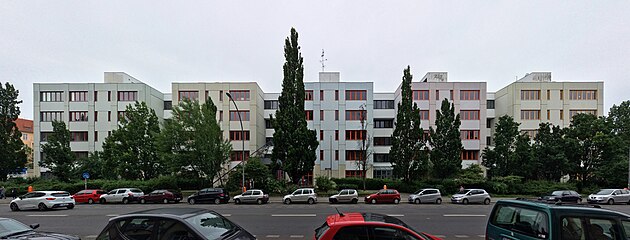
526	219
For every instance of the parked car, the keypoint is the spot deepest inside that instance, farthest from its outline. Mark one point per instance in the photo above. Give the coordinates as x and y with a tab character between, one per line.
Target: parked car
209	195
427	195
345	196
302	195
88	196
121	195
383	196
562	196
252	196
162	196
365	226
610	196
467	196
535	220
43	200
12	229
173	223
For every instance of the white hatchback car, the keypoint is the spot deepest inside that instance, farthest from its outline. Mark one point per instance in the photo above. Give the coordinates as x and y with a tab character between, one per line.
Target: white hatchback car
43	200
122	195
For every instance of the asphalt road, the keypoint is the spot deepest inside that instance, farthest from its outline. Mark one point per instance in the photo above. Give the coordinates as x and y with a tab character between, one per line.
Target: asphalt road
276	220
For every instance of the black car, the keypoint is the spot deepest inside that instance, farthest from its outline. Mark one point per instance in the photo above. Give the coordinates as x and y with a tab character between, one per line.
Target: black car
209	195
562	196
173	223
12	229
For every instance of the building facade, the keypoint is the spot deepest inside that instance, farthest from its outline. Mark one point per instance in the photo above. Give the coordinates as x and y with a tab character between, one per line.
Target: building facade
25	126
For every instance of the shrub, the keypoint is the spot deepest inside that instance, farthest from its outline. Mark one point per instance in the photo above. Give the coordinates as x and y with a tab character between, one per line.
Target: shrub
324	183
347	186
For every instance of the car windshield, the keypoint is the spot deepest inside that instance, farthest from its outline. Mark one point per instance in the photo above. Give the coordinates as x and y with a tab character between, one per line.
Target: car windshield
9	227
556	193
419	191
605	192
212	226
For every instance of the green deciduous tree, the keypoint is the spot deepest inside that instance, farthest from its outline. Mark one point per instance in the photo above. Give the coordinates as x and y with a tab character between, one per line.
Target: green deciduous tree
12	150
294	144
549	161
95	166
619	120
255	171
58	156
132	147
408	154
192	141
445	142
499	160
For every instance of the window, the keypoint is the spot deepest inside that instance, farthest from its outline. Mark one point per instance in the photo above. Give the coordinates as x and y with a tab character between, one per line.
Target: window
470	134
50	116
470	155
109	96
383	123
588	228
561	114
383	104
96	136
530	94
321	95
78	96
127	96
109	116
531	133
308	95
469	114
354	115
352	232
78	136
353	155
309	115
336	115
353	95
469	95
337	155
239	136
424	114
220	96
548	94
238	156
583	94
321	115
451	95
384	174
561	94
336	95
420	95
244	115
240	95
576	112
530	114
78	116
268	124
391	233
321	155
96	96
271	104
269	141
336	135
355	134
381	157
190	95
354	173
548	114
51	96
321	135
490	104
524	221
44	136
437	94
382	141
168	105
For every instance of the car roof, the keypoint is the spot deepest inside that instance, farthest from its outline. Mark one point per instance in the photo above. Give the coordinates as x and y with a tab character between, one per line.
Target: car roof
562	208
169	212
363	217
51	192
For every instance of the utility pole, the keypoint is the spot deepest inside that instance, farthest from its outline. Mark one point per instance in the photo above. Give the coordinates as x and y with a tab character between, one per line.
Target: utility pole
242	138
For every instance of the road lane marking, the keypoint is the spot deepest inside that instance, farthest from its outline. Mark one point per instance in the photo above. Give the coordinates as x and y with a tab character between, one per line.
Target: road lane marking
272	236
464	215
461	236
44	215
226	215
440	236
396	215
296	236
481	236
293	215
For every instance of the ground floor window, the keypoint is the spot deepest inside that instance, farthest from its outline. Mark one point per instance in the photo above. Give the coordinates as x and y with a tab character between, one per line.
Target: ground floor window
354	174
383	173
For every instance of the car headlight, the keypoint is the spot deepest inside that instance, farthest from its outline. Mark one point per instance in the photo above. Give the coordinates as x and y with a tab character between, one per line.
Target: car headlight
367	197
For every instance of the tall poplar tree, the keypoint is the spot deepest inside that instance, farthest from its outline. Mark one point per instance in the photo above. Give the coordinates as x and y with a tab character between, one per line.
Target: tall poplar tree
446	143
407	154
12	150
294	144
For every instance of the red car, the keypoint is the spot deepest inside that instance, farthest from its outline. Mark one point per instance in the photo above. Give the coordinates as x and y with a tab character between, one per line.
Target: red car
88	196
384	196
366	226
162	196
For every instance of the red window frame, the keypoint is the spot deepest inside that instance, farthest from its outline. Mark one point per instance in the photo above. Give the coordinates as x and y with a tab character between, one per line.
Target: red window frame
356	95
470	155
309	115
424	114
469	114
308	95
244	115
78	136
470	134
420	95
240	95
469	95
192	95
238	156
355	115
352	135
127	96
78	116
238	135
78	96
354	174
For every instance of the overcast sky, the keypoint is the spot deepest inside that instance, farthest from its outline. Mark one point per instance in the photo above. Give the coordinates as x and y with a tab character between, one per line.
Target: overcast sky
160	42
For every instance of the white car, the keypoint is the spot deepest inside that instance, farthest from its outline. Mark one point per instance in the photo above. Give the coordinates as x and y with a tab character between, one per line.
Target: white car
122	195
43	200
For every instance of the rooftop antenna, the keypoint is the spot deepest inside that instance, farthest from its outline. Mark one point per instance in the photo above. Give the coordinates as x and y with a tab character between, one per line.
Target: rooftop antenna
323	60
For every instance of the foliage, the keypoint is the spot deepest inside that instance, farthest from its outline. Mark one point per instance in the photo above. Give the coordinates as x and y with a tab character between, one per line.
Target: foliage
499	160
549	161
408	154
58	156
522	158
364	146
294	144
471	176
619	120
96	166
191	142
12	150
131	149
325	184
445	142
255	171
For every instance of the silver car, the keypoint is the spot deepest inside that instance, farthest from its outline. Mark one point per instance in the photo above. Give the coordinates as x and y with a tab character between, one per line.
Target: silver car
43	200
252	196
610	196
304	195
345	196
427	195
471	196
122	195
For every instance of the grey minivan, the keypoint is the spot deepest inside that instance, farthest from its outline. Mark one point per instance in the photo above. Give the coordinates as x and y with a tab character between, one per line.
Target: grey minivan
610	196
303	195
427	195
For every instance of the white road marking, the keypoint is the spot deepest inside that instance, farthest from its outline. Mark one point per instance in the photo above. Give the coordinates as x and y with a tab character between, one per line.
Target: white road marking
293	215
44	215
464	215
91	236
461	236
440	236
272	236
396	215
481	236
296	236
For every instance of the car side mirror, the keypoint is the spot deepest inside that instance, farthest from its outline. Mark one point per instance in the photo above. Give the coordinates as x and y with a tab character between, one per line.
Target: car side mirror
34	226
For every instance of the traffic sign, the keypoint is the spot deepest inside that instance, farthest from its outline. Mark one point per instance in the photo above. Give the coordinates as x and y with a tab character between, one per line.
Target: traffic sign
86	175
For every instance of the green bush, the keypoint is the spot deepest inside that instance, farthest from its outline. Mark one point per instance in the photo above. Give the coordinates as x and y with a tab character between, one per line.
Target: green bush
324	184
347	186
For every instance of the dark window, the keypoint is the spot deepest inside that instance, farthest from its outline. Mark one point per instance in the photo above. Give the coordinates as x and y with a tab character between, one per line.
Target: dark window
269	140
238	156
355	134
309	115
383	104
381	173
490	104
168	105
355	233
352	95
44	136
353	155
355	115
127	96
525	221
391	233
271	104
469	95
240	95
191	95
238	135
308	95
78	136
381	157
420	95
382	141
78	116
383	123
136	228
234	115
268	124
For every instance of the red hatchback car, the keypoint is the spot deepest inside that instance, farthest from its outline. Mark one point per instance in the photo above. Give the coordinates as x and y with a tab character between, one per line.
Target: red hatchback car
384	196
88	196
367	226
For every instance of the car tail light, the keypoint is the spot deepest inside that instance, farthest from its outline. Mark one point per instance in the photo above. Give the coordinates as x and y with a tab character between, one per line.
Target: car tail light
50	198
221	195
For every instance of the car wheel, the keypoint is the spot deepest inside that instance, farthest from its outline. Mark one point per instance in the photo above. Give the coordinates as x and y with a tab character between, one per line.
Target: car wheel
191	201
42	207
237	201
417	201
287	201
438	201
71	206
143	201
465	201
373	201
125	201
355	201
486	201
396	201
311	201
611	201
14	207
103	201
259	201
90	201
217	201
165	201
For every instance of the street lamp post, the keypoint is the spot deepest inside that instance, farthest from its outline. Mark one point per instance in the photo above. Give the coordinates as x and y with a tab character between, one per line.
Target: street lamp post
242	138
